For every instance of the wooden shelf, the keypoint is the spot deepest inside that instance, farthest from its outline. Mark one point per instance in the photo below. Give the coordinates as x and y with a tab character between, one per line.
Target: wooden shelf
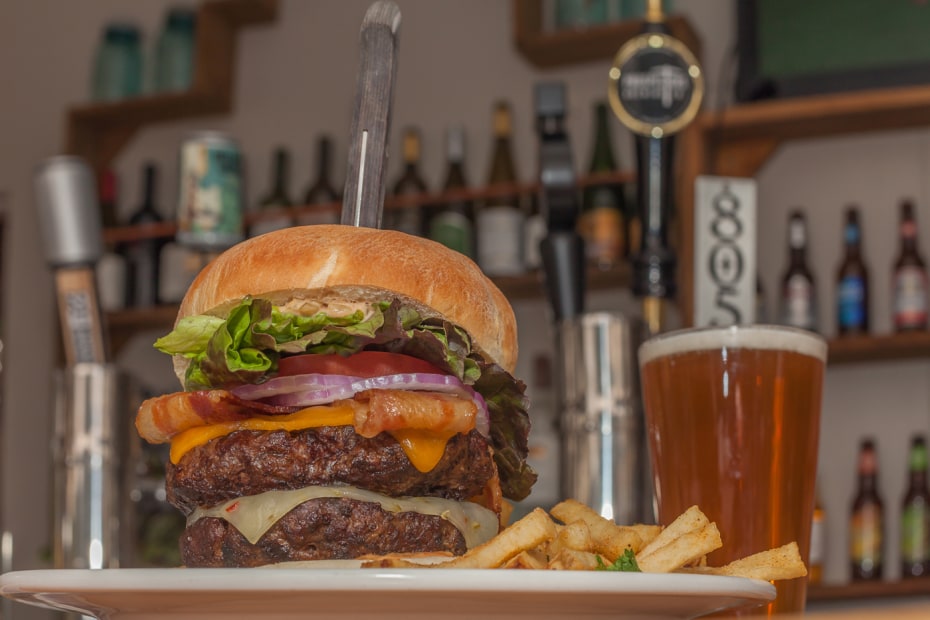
123	325
743	137
561	47
879	347
919	586
98	131
123	234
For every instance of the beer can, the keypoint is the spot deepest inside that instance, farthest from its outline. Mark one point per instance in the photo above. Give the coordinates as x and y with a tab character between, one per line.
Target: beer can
210	213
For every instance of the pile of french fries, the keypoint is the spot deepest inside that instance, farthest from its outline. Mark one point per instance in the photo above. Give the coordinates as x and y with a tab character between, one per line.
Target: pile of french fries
573	536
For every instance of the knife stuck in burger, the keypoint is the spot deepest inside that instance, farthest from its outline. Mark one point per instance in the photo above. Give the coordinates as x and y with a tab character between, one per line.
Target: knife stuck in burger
348	392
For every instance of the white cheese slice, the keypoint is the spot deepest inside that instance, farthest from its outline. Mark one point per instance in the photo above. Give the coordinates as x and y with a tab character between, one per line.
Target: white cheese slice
256	514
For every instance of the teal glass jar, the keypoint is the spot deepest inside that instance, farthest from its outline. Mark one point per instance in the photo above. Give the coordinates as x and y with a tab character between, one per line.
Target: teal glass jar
174	53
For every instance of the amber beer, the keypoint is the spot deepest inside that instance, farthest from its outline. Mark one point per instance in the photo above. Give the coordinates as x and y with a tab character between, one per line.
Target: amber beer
733	417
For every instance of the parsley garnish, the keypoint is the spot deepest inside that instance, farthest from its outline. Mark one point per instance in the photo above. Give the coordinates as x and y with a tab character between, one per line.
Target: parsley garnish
626	563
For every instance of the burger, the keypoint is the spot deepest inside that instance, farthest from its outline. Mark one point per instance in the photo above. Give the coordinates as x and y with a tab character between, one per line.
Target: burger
348	392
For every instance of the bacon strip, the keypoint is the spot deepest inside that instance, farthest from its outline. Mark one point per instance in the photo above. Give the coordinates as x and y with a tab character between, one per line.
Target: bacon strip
162	417
390	410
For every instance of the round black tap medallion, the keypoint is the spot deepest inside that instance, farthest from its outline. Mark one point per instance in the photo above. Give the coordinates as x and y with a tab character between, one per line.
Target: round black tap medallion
656	85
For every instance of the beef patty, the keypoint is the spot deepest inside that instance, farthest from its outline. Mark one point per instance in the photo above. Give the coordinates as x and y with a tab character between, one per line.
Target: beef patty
252	462
320	529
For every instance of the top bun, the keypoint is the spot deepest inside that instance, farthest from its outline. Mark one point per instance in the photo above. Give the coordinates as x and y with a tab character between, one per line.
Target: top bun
336	263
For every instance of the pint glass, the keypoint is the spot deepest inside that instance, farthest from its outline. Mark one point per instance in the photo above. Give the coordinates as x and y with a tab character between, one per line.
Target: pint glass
733	420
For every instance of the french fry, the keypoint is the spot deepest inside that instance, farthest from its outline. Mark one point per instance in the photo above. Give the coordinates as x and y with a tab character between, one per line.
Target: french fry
647	533
529	559
573	559
691	520
610	540
683	550
779	563
576	536
527	533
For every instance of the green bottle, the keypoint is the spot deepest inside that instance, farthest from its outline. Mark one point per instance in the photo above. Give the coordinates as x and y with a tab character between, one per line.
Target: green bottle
452	223
915	515
602	223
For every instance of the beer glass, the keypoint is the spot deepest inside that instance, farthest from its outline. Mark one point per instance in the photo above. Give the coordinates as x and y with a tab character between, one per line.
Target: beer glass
733	420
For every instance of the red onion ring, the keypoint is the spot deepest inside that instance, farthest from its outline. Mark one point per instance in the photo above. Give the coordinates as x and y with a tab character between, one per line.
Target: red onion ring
318	389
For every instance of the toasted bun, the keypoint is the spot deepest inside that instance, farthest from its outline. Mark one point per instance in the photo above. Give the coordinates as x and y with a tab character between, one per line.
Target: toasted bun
336	264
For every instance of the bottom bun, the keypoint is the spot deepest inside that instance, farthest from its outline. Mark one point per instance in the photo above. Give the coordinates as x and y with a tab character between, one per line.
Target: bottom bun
321	529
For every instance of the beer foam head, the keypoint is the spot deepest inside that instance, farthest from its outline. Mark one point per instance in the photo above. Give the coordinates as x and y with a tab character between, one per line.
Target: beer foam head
775	337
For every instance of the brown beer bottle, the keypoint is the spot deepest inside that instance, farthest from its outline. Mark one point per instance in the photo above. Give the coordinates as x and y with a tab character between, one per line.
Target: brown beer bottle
915	514
867	524
798	292
909	280
322	191
852	281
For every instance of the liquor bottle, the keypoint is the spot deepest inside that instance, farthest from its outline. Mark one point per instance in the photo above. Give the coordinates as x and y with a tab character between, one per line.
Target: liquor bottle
852	280
909	280
274	209
798	291
407	216
818	541
144	255
500	220
453	222
322	191
866	526
915	514
107	190
112	266
601	222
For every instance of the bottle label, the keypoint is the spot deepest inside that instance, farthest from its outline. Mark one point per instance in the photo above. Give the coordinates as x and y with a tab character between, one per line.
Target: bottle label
500	241
800	309
602	229
453	230
535	232
910	297
866	537
851	298
915	542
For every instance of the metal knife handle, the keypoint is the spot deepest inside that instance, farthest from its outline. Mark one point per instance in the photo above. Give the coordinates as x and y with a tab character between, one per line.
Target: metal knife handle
363	197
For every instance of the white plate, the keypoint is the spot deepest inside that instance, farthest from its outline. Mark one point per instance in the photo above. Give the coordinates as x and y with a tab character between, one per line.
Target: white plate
384	594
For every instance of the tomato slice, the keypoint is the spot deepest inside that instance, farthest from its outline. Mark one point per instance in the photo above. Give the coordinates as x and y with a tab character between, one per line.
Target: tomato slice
363	364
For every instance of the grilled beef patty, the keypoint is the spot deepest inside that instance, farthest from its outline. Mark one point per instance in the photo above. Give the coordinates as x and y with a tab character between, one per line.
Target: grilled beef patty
320	529
252	462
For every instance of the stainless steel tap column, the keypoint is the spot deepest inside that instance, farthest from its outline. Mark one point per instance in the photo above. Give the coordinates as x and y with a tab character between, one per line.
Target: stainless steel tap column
603	437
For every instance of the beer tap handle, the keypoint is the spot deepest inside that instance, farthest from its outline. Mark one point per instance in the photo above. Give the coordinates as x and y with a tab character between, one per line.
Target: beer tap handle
562	250
69	216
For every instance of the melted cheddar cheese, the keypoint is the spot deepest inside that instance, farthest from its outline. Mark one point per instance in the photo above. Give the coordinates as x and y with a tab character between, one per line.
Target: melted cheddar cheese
423	448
